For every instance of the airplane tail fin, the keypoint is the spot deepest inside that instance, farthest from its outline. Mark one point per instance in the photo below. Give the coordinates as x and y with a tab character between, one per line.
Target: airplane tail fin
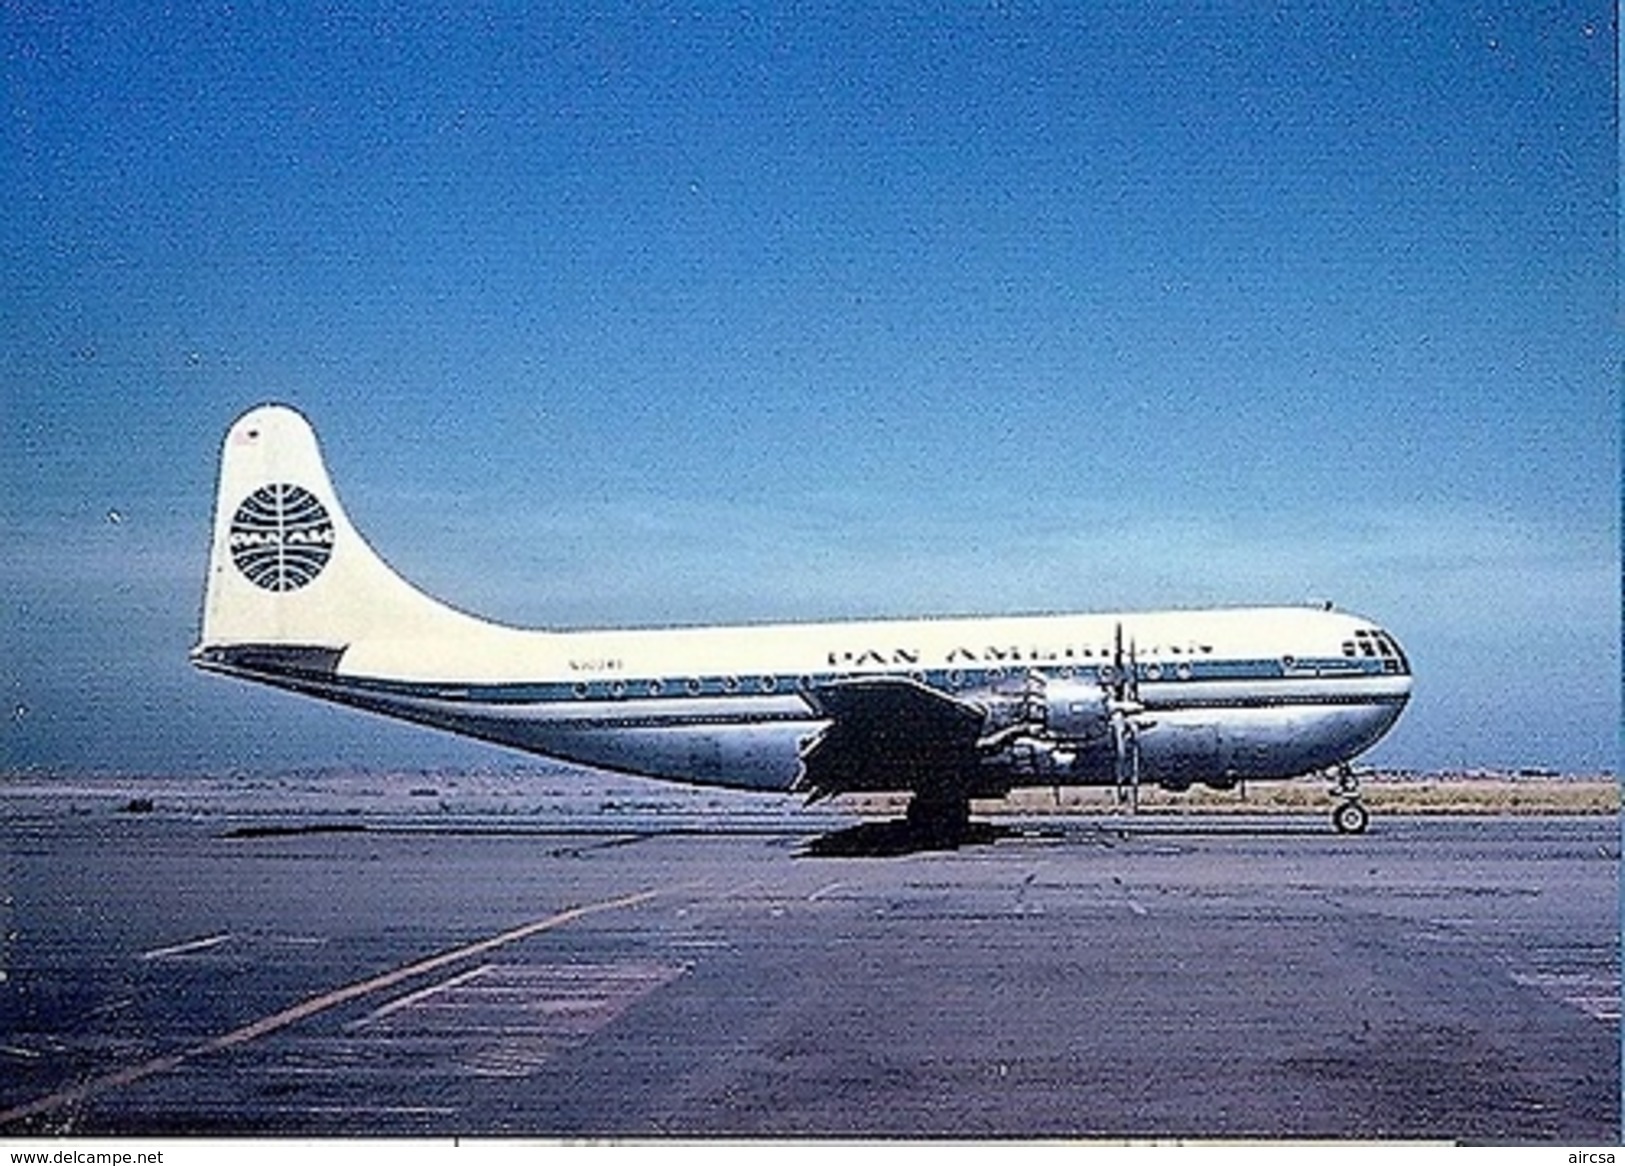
289	576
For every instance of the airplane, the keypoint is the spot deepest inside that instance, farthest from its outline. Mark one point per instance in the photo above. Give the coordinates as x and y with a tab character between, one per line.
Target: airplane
947	709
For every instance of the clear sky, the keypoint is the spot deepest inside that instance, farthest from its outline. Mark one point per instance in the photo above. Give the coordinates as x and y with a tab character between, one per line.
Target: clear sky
640	314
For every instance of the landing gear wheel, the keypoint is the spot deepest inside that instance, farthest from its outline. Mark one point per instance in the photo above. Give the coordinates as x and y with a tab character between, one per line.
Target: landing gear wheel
1350	818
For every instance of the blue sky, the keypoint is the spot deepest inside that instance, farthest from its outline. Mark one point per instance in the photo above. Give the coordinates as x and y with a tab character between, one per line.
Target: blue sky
640	315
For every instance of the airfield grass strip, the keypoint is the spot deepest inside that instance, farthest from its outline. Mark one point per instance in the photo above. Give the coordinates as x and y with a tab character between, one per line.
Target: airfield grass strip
1423	798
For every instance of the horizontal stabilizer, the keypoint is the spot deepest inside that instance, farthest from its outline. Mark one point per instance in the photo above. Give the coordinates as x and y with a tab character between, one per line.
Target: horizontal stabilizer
291	660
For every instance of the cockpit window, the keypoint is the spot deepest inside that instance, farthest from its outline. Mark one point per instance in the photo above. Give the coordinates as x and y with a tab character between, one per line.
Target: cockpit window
1378	643
1390	647
1375	643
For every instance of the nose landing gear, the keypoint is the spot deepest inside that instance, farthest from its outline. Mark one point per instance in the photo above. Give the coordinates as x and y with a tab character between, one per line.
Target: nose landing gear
1348	816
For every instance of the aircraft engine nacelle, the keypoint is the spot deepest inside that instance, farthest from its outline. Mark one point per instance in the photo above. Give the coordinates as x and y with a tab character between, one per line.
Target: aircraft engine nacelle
1075	710
1057	710
1029	761
1037	728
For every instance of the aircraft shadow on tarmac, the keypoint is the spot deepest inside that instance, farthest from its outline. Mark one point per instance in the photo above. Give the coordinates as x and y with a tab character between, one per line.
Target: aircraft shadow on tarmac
899	836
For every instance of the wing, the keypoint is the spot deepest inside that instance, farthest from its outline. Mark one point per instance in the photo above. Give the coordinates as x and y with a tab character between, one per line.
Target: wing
889	733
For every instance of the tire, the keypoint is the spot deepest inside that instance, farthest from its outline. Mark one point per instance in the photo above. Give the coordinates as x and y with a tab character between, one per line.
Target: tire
1350	818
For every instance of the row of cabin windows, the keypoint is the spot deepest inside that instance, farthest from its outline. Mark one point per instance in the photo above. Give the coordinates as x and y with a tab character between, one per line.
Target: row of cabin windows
1171	649
956	678
694	686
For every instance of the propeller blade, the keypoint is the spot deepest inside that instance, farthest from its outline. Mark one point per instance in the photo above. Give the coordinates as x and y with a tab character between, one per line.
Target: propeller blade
1134	769
1123	700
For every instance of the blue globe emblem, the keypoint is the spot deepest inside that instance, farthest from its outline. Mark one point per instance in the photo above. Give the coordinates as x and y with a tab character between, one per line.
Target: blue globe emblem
281	537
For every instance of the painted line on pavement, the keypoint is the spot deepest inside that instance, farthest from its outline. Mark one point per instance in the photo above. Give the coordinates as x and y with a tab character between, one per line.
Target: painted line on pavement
308	1008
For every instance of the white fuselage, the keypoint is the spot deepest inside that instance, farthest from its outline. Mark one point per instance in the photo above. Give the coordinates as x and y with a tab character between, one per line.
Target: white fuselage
1228	694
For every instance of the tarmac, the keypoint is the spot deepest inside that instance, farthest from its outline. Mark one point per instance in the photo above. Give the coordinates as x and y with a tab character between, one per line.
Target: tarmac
323	959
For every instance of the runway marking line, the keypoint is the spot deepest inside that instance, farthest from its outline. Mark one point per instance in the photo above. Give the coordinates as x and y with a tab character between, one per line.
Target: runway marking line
184	948
422	994
308	1008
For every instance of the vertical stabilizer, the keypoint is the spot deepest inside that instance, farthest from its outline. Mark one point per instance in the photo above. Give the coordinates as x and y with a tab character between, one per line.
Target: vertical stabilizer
286	567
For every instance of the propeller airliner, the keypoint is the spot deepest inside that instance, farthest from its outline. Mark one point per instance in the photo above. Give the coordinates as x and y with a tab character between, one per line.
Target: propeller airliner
945	709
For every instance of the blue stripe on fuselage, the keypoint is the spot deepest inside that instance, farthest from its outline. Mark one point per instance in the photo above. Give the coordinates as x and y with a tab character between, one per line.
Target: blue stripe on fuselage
1166	678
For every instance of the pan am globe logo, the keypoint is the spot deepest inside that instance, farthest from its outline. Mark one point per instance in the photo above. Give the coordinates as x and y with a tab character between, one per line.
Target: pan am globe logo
281	537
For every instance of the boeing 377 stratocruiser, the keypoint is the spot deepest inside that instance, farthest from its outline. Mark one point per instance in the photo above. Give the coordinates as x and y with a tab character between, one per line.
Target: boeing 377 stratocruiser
949	709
